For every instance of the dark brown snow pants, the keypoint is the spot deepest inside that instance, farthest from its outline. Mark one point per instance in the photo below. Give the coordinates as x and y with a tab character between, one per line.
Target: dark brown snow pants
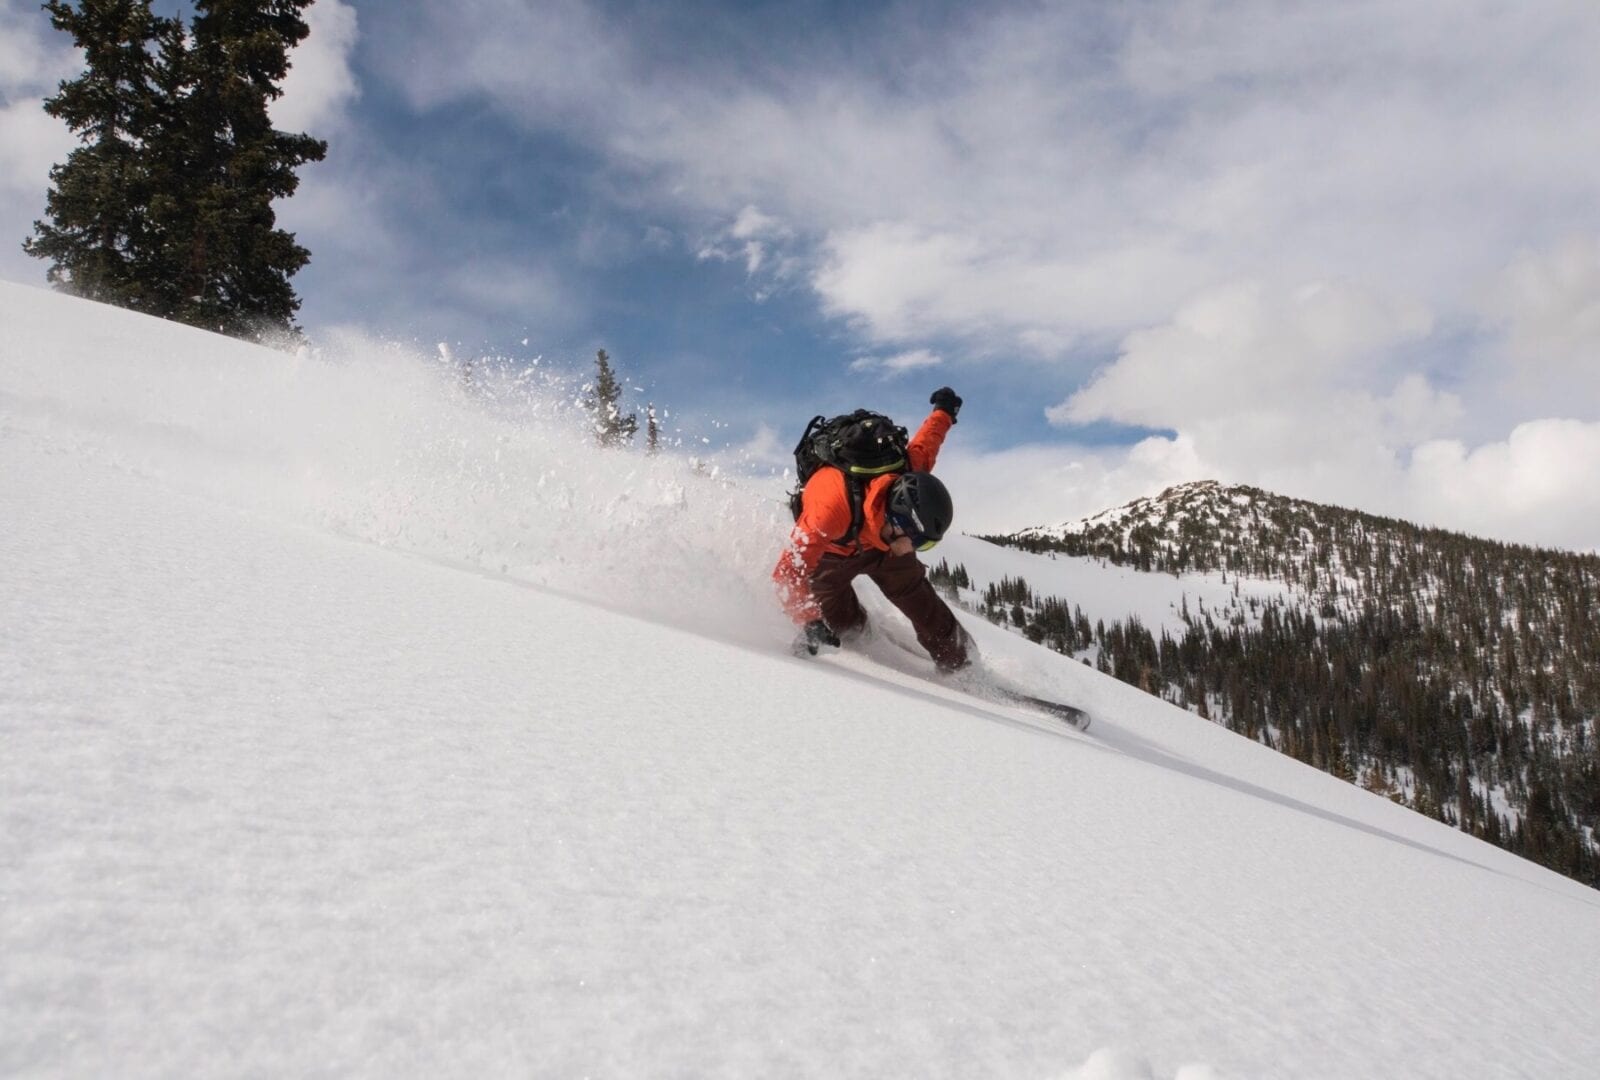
905	583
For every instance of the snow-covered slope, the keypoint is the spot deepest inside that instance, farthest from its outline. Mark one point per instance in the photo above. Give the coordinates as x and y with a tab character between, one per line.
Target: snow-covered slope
1271	603
353	725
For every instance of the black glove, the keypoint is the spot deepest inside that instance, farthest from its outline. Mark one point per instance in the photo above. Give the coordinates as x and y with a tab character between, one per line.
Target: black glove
946	400
815	635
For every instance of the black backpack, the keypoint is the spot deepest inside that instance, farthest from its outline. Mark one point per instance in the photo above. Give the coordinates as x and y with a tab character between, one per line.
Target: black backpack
862	445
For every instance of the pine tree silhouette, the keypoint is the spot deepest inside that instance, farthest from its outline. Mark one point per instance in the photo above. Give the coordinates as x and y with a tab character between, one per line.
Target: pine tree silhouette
611	427
167	207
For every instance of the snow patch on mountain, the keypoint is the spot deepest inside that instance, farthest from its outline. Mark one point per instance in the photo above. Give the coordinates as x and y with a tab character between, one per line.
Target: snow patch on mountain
1110	592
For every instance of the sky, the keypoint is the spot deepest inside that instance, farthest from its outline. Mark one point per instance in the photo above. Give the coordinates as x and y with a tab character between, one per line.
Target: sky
1344	252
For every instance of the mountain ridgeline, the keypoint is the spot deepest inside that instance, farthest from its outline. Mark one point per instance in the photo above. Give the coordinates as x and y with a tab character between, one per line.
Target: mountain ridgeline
1458	675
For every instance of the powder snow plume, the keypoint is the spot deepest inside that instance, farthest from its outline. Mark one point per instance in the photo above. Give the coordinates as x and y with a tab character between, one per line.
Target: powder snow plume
392	445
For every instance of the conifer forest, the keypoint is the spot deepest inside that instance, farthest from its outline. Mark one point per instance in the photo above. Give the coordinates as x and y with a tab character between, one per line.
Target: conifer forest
1457	675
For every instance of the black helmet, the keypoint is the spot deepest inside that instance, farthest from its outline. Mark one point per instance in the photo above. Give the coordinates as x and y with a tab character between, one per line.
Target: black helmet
920	504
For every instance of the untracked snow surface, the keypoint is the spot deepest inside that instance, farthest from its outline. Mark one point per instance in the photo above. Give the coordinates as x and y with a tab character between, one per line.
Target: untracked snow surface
357	722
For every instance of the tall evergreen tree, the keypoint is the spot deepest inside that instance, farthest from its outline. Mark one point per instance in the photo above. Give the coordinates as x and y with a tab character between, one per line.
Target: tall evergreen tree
168	208
231	261
98	233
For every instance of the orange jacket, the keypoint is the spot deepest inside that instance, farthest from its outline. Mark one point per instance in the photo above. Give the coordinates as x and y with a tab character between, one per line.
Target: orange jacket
825	519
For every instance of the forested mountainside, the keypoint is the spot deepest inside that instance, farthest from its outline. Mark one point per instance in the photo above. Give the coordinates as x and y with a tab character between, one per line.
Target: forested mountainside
1458	675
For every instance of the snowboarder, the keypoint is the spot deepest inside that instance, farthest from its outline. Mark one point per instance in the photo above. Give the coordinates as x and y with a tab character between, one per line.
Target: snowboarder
900	514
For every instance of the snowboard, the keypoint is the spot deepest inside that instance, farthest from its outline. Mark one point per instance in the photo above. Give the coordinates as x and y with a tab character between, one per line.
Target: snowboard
976	681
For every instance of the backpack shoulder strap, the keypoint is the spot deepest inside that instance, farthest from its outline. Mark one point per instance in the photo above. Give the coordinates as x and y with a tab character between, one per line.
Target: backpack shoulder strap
855	491
856	485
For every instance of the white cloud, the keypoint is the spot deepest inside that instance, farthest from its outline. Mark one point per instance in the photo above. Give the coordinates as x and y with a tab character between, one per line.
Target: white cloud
31	141
1249	347
766	445
899	363
888	278
344	205
1005	490
1416	410
557	60
34	58
1046	173
1540	485
1546	308
898	283
761	242
1300	391
753	253
536	292
753	224
320	86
